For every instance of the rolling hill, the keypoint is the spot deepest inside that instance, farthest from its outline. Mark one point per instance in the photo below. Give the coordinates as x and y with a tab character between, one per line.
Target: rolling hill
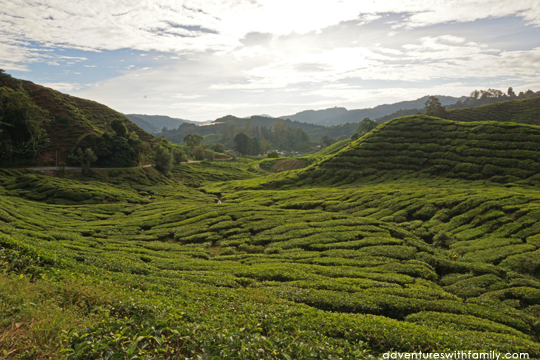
422	235
67	121
526	111
420	145
143	124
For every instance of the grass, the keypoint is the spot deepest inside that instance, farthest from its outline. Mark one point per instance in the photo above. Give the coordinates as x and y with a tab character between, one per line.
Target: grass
222	261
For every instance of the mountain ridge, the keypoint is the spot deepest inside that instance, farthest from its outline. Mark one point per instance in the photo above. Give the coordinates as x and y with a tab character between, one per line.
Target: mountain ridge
340	115
158	122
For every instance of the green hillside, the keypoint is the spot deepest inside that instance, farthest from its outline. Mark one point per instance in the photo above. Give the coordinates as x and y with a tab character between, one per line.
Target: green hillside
526	111
430	147
65	121
312	273
224	129
422	235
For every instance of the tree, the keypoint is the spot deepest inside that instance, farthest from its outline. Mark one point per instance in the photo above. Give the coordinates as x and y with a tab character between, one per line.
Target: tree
273	155
119	127
179	156
511	92
209	155
230	131
364	127
198	152
435	108
265	145
241	143
85	158
193	140
327	141
217	147
22	123
163	159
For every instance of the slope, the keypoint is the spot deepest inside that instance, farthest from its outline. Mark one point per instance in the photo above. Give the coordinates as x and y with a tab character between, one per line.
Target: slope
143	124
71	118
526	111
433	147
313	273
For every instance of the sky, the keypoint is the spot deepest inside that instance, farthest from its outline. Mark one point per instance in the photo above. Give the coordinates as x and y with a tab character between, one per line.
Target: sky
204	59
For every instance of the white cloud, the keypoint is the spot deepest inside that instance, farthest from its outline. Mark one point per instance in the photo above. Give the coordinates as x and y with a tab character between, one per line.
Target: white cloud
189	97
62	86
215	25
249	48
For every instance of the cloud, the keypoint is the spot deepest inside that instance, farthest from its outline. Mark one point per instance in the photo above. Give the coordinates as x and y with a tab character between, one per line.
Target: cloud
208	53
214	25
189	97
62	86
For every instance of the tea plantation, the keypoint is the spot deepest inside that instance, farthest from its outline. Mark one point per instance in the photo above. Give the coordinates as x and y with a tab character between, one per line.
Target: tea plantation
422	235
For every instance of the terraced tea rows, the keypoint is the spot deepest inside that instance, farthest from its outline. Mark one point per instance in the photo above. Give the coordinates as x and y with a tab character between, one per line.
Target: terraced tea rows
518	111
369	265
423	146
429	242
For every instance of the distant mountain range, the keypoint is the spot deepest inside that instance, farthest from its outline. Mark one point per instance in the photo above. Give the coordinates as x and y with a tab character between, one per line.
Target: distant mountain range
327	117
340	115
154	123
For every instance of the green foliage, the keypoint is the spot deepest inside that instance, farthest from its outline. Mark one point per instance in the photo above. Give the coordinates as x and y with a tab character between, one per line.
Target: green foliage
48	125
365	126
246	145
163	159
114	150
273	155
179	156
523	111
327	141
270	133
119	127
85	158
244	263
209	155
22	132
217	147
435	108
198	152
430	147
193	140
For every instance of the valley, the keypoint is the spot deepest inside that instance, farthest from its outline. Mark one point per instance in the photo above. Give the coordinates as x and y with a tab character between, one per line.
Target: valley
349	256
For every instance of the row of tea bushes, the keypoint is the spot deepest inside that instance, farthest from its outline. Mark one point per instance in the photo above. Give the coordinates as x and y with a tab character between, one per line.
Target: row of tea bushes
501	152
